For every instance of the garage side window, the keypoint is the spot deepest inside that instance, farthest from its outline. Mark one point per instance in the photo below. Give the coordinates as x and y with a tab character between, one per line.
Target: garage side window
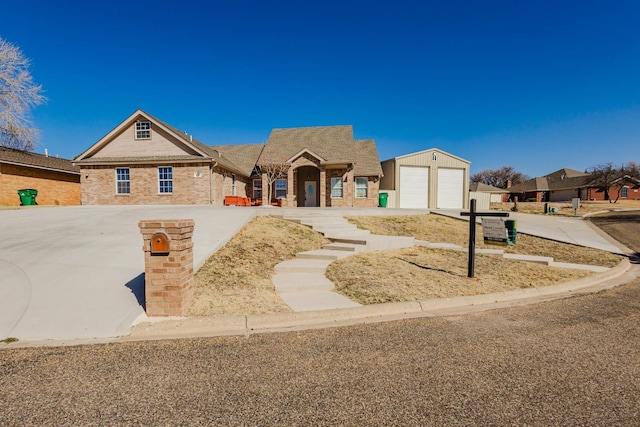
361	187
165	180
336	188
122	181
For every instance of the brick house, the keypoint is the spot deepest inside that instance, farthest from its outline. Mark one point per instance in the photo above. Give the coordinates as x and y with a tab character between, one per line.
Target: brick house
144	160
324	166
566	184
57	180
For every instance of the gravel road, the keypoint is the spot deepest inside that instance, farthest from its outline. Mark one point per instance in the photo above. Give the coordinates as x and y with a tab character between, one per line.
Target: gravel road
568	362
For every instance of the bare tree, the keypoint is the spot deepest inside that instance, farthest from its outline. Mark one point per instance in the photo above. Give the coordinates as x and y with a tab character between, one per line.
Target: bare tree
627	175
18	94
499	177
604	176
274	165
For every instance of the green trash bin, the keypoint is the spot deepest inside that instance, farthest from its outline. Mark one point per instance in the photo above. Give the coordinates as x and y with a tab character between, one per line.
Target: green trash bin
511	225
382	199
28	197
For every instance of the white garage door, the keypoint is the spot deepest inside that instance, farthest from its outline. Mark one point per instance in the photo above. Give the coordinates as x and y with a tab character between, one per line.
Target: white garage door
450	188
414	187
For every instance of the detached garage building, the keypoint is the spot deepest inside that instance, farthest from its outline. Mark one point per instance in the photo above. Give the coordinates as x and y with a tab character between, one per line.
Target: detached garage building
430	179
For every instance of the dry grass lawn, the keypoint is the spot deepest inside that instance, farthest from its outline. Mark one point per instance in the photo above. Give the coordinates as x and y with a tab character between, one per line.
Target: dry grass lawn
237	278
420	273
441	229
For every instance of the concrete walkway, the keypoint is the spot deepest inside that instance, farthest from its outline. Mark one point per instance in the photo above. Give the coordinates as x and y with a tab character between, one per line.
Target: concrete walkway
301	283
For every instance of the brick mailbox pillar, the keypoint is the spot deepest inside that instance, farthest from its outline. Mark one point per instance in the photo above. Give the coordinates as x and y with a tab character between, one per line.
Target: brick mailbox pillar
168	266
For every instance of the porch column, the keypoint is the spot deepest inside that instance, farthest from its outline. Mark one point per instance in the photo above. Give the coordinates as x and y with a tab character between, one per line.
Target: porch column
291	197
323	187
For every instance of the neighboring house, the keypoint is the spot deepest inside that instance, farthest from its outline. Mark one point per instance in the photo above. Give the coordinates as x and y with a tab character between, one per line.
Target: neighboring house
56	180
496	195
325	166
566	184
429	179
144	160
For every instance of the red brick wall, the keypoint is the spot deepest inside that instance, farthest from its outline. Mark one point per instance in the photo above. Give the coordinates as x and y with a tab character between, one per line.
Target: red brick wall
54	188
597	194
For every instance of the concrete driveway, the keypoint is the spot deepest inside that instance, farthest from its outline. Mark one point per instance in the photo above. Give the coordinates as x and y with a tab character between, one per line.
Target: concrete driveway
77	272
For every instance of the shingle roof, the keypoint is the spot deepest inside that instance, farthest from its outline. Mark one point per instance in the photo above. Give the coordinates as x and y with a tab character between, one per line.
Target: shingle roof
245	156
484	188
27	158
562	179
334	143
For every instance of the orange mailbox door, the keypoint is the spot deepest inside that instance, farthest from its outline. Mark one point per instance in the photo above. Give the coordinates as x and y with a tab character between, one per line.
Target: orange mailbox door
159	244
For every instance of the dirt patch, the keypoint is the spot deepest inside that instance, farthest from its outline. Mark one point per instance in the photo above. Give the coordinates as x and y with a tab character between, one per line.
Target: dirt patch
420	273
441	229
237	278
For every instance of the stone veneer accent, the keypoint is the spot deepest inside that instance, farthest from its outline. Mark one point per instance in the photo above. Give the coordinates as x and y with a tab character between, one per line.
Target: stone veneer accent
168	277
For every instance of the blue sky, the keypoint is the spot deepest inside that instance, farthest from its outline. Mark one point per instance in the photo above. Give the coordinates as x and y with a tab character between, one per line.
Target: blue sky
534	85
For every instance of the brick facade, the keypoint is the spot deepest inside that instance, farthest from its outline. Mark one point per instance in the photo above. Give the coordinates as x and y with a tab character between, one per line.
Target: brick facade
168	275
310	167
193	183
54	188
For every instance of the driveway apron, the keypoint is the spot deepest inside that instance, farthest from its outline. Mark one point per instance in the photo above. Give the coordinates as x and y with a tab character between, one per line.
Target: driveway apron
78	272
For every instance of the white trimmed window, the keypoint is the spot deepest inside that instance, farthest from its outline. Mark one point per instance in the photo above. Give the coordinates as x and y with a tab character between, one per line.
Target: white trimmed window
336	188
257	189
143	130
123	183
624	192
361	187
281	188
165	180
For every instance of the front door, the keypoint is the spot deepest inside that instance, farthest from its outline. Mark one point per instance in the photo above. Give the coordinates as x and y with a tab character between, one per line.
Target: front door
310	194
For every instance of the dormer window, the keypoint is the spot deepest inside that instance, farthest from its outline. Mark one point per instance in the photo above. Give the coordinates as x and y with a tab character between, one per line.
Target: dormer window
143	130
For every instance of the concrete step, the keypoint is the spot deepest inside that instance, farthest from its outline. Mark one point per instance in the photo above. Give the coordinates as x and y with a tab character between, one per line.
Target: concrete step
360	241
298	265
323	220
301	282
380	243
336	228
323	254
353	234
346	247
